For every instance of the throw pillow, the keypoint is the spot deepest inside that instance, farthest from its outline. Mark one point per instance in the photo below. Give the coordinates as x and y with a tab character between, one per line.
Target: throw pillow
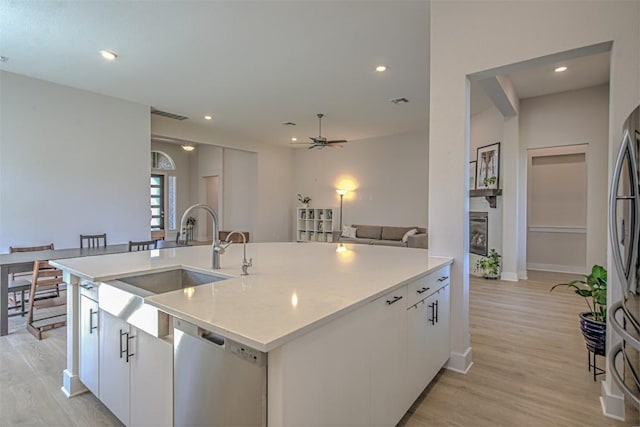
349	231
409	233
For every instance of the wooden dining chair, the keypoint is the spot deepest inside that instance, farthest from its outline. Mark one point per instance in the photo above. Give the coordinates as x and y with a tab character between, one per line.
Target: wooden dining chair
21	282
93	240
142	245
46	297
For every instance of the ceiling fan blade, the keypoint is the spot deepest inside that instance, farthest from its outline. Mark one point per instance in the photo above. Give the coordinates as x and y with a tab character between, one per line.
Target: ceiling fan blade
311	147
335	146
337	141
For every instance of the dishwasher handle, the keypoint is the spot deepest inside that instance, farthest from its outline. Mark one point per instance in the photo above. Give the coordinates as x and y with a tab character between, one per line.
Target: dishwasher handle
213	338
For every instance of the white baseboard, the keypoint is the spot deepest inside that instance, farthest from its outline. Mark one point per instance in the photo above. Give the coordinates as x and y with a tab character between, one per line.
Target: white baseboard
556	268
523	275
460	362
509	277
612	405
71	385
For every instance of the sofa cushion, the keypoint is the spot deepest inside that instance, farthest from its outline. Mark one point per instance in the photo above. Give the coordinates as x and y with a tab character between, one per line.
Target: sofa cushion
355	240
399	243
348	231
368	231
394	233
411	232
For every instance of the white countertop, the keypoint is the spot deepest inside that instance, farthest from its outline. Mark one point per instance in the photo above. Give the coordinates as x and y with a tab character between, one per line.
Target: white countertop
291	289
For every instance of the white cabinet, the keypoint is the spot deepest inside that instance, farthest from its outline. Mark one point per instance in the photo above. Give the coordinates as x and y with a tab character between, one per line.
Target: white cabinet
314	225
151	380
89	344
428	339
136	374
114	366
439	331
388	352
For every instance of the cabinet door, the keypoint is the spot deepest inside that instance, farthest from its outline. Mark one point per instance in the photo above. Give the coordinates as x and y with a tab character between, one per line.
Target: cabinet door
419	346
441	331
389	394
114	369
151	377
89	344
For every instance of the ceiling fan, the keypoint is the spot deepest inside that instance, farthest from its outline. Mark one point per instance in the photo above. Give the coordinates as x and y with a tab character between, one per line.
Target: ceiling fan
320	141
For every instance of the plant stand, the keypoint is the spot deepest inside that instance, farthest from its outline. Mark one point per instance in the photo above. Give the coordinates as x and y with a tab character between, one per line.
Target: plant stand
596	352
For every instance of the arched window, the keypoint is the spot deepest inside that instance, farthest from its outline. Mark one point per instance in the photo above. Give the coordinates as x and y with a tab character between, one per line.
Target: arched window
160	160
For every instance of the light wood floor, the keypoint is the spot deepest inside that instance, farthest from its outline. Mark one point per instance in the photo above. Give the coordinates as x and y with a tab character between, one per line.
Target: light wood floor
530	363
529	369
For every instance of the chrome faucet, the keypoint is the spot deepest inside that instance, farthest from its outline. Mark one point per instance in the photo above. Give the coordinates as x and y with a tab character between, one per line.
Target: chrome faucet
216	250
245	264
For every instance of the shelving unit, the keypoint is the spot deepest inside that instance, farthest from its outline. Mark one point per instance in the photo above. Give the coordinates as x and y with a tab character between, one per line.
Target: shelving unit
490	194
314	225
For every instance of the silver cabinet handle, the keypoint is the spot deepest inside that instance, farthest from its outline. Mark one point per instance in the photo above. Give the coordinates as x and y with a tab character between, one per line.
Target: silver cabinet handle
423	290
91	327
432	319
122	351
394	300
129	338
443	278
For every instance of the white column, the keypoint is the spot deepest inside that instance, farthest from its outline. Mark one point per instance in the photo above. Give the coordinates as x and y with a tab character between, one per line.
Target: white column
71	384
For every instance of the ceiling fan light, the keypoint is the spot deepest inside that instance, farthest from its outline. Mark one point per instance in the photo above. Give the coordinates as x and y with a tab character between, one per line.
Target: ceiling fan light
188	147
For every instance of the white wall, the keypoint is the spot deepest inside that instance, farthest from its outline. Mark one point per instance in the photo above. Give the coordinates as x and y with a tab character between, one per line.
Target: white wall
389	174
485	44
571	118
274	204
240	190
71	162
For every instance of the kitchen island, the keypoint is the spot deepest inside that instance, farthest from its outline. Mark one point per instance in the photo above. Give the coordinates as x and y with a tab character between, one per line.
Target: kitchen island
352	336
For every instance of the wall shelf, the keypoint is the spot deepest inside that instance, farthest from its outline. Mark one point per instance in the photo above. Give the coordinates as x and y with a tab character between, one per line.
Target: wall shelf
490	194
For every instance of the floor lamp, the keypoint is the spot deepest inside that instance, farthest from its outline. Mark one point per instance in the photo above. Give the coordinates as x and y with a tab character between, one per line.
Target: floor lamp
341	193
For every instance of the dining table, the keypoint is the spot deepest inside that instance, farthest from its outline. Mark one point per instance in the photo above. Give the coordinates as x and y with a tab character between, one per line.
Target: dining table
21	262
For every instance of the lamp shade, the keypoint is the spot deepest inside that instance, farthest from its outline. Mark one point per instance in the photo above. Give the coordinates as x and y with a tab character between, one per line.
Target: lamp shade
341	192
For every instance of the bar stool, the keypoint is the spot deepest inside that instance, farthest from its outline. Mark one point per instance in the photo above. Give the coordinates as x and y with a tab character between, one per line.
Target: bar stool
21	282
45	295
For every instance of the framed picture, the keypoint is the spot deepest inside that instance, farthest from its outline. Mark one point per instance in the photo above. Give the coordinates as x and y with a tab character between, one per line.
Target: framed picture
488	167
472	175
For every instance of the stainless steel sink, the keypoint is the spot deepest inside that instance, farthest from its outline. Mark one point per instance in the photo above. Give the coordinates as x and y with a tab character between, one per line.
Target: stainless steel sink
172	280
124	297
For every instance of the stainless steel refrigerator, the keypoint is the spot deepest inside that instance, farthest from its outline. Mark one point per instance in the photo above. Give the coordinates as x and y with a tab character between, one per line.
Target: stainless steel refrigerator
624	231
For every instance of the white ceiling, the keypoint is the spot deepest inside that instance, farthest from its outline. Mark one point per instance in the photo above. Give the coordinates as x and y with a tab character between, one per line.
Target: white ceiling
254	65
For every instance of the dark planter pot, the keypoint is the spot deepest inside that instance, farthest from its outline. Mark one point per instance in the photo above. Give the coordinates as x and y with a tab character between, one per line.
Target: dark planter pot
594	332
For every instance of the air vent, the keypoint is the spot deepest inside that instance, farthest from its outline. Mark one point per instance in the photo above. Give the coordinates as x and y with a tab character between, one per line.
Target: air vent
289	124
400	100
169	115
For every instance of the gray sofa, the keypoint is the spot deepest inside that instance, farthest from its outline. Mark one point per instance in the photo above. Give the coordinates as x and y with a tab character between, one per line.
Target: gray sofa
384	235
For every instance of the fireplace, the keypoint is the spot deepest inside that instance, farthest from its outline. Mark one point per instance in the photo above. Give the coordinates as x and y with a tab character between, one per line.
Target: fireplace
478	232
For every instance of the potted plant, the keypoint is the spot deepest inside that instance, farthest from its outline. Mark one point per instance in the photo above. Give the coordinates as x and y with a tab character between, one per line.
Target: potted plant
489	266
593	288
304	200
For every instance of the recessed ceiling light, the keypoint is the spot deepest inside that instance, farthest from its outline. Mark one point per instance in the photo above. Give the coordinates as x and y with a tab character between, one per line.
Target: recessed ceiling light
294	139
208	117
108	55
381	68
560	69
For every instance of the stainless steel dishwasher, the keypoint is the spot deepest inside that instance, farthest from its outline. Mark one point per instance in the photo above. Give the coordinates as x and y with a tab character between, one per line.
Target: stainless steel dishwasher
217	382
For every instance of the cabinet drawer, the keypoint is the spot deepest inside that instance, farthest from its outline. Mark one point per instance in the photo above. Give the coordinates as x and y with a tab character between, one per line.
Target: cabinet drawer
427	285
89	289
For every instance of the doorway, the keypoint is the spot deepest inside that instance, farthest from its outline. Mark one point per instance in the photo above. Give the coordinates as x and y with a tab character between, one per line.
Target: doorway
557	209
